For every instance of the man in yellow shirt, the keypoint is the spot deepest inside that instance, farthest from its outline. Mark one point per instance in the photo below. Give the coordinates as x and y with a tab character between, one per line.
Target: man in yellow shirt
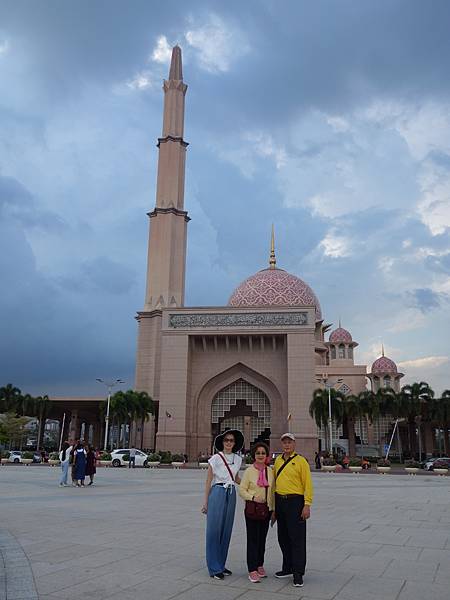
293	499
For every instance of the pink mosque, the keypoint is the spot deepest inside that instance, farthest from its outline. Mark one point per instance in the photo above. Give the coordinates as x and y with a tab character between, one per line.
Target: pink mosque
252	364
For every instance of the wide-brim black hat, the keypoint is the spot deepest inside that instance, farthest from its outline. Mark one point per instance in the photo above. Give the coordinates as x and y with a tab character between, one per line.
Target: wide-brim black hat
238	440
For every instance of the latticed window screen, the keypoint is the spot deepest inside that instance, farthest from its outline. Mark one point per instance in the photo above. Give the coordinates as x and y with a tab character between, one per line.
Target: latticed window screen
252	396
381	429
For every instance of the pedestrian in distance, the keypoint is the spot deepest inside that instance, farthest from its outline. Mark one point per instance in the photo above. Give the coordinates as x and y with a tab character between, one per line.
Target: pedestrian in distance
72	462
132	458
64	459
80	464
293	499
91	462
220	500
256	489
317	461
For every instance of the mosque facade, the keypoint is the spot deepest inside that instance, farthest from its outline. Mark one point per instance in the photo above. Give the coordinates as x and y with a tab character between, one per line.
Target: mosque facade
252	364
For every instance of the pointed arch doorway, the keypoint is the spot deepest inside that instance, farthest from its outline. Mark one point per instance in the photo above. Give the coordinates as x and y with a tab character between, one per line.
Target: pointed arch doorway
242	406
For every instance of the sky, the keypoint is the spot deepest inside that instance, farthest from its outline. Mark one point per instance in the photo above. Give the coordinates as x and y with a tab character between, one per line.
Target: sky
330	120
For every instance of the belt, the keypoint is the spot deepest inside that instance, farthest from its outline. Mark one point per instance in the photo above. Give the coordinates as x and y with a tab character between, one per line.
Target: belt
286	496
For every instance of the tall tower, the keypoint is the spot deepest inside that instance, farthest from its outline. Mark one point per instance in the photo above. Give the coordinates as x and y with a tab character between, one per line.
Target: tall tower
168	221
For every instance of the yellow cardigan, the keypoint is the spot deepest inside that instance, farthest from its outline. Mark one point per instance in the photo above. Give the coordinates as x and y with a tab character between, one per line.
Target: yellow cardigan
248	487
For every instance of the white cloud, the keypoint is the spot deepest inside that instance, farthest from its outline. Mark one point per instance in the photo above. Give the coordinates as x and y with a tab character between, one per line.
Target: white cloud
4	47
335	245
338	124
427	362
434	206
141	81
162	52
216	44
406	320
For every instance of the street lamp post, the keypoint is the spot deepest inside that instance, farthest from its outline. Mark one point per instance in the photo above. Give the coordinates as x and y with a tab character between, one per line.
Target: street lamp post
109	385
328	385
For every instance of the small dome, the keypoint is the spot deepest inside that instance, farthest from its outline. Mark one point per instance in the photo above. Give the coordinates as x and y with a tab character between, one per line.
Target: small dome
340	335
384	365
274	287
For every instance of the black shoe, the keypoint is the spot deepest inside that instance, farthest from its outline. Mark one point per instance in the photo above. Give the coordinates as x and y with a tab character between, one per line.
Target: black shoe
281	574
218	576
298	580
90	483
227	572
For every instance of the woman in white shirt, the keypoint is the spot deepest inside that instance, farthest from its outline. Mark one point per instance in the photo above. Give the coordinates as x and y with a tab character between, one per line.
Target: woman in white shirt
64	457
220	499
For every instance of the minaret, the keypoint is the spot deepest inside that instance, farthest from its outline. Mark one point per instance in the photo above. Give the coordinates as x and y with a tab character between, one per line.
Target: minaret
168	221
272	259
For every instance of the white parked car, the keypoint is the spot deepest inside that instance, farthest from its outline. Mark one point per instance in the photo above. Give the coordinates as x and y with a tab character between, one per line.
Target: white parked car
429	464
118	460
15	456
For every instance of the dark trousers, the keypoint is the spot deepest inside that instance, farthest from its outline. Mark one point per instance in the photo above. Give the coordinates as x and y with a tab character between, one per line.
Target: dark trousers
291	533
256	542
131	461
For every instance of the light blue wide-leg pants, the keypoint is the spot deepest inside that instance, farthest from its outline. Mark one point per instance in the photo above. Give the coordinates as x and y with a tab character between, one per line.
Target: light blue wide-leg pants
64	472
219	525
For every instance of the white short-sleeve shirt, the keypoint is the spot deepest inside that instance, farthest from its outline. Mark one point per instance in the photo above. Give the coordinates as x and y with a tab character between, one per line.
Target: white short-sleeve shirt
220	472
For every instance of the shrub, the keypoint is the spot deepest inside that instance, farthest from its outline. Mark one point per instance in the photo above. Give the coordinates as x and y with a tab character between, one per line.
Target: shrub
54	456
249	459
154	457
382	462
329	462
105	456
178	458
354	462
202	458
126	457
166	457
412	464
27	455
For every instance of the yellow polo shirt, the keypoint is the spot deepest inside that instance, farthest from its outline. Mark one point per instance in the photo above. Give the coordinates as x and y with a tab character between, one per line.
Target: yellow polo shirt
295	478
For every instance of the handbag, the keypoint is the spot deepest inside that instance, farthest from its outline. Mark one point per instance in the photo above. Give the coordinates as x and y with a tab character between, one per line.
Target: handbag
257	511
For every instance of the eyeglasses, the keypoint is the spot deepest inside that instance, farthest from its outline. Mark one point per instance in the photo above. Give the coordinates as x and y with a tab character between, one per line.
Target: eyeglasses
260	454
228	440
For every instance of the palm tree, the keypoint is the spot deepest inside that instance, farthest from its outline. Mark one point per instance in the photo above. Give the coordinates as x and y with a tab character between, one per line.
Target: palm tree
318	409
440	412
40	406
350	412
145	408
415	400
10	398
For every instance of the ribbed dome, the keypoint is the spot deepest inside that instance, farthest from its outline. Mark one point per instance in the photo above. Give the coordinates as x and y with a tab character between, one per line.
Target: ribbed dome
340	335
384	365
274	287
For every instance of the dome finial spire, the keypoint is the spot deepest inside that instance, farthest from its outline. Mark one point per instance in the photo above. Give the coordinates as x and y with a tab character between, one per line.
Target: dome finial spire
340	322
272	259
382	349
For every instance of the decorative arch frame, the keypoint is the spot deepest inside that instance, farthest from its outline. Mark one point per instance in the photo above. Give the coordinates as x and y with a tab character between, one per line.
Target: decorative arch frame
204	399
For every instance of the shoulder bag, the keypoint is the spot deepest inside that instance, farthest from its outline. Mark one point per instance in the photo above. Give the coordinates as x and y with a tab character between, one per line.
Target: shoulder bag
257	511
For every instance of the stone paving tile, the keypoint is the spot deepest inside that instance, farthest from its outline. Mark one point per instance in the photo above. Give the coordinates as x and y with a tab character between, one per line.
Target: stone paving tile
209	591
400	552
358	549
410	570
257	594
428	539
442	575
435	556
364	564
367	587
419	591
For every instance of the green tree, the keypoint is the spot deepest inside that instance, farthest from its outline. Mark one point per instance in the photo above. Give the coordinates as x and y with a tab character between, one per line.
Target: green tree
415	400
10	398
318	409
440	412
12	429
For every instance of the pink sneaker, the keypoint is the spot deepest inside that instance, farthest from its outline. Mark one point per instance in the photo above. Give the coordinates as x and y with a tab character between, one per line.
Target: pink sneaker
254	577
261	572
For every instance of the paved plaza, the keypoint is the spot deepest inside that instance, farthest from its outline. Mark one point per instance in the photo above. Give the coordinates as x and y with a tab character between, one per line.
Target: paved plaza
139	535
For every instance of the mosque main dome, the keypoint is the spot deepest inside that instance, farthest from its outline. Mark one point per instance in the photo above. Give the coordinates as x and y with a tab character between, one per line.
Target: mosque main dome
274	287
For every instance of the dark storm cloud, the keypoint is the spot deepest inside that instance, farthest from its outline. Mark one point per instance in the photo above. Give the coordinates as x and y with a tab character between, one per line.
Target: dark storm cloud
101	274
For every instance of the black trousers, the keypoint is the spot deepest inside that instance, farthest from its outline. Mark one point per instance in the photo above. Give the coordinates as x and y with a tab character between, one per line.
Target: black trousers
256	542
291	533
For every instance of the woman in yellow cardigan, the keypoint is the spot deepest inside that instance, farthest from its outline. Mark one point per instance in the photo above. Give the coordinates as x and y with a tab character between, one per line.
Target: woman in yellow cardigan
257	486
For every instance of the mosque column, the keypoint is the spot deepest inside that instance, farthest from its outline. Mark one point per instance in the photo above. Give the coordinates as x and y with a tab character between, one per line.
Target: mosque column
73	426
174	394
301	385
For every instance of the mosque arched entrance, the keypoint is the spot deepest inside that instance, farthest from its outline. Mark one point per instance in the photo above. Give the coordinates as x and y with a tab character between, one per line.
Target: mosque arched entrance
242	406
